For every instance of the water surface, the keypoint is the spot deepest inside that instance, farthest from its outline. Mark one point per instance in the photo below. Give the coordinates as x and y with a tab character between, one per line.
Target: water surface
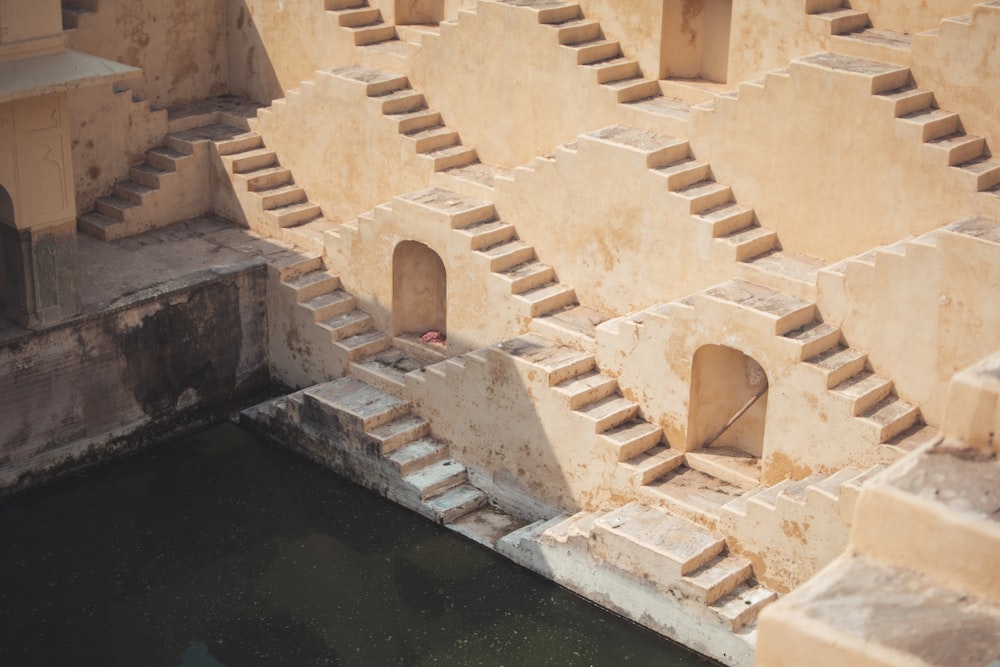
221	550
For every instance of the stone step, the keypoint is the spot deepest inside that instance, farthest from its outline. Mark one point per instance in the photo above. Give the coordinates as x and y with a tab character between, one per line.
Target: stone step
329	304
784	310
269	177
693	494
354	400
456	503
652	464
364	344
595	50
436	478
507	254
608	412
347	324
577	30
767	498
415	120
487	233
614	69
705	195
132	191
751	242
295	214
717	578
844	20
586	388
729	464
829	487
400	101
652	543
631	436
727	218
908	99
432	138
741	607
372	33
838	364
148	175
573	325
863	390
815	338
546	298
399	432
959	147
99	225
879	77
928	124
114	207
796	491
451	157
281	195
527	275
557	362
891	416
634	89
312	284
164	158
357	16
387	369
417	454
376	82
981	173
683	173
252	160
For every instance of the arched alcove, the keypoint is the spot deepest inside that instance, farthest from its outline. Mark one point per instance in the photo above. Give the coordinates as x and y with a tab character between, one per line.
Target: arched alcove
419	290
6	224
728	403
695	39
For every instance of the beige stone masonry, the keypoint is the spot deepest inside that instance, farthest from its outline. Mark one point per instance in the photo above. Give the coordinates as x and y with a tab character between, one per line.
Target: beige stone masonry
960	60
493	94
947	280
928	169
836	398
509	286
666	210
387	142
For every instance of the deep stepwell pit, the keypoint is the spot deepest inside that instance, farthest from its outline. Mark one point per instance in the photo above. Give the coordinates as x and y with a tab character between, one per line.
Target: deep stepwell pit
220	550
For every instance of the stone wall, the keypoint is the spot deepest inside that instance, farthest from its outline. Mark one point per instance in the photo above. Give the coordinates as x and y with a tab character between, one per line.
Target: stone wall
94	387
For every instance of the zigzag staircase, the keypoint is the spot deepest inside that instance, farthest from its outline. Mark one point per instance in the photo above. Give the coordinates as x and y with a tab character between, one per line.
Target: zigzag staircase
675	556
603	57
543	303
917	116
400	456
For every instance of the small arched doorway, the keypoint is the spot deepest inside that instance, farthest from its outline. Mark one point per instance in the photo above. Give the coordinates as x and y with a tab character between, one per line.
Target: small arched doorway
728	403
7	229
419	290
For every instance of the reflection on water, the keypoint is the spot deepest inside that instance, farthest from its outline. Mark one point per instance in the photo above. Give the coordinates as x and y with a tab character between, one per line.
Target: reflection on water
219	550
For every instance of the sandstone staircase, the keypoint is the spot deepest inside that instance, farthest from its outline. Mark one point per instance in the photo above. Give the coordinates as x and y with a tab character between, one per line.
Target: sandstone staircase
363	21
603	57
675	556
390	449
917	116
732	227
540	298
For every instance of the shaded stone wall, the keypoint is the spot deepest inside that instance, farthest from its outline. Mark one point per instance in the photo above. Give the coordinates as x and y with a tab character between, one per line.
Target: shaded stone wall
169	359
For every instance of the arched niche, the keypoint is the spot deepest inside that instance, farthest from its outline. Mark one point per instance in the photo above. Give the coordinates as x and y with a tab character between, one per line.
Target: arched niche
695	41
728	402
419	290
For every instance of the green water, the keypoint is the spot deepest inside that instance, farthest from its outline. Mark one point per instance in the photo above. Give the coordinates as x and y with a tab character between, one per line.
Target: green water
222	550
